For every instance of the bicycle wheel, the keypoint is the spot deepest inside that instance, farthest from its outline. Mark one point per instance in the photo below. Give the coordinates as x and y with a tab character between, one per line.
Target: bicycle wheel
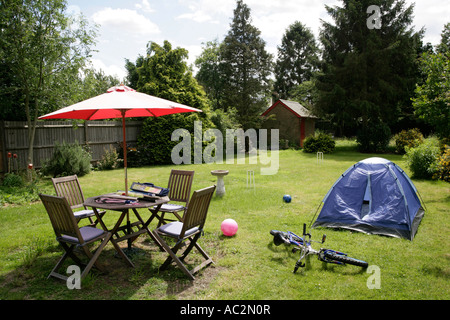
279	237
345	259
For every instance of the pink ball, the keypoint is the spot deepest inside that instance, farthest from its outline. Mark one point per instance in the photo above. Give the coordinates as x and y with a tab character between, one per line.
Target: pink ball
229	227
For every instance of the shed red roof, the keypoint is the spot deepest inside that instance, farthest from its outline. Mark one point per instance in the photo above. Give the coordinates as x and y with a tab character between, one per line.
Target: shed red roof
296	108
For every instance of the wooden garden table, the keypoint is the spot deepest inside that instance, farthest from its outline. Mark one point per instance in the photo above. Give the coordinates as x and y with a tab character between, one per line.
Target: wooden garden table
112	202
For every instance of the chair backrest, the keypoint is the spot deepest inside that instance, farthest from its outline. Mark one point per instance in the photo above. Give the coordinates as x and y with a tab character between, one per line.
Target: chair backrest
61	216
69	188
195	215
180	182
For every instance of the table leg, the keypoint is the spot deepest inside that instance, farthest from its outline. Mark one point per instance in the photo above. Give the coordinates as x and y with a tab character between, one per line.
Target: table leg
114	233
130	235
129	230
99	219
146	224
154	215
115	243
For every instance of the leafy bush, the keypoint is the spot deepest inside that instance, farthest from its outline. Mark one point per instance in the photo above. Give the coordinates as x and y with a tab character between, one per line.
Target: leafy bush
155	143
283	144
109	160
321	142
443	165
407	138
374	138
422	160
134	158
224	120
68	159
15	190
13	181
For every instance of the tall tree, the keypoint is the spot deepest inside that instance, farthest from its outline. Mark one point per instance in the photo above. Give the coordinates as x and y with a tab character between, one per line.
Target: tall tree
164	73
246	67
41	47
132	77
209	73
297	59
444	46
210	76
369	66
432	97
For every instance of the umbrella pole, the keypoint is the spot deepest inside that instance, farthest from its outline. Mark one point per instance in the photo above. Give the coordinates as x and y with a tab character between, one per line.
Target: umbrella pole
125	151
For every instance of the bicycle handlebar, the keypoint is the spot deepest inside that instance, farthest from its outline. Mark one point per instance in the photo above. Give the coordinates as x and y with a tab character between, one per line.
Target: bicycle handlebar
304	231
280	237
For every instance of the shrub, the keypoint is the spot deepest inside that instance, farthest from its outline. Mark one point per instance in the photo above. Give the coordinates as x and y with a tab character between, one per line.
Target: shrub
407	138
443	165
68	159
12	180
422	160
14	189
154	141
321	142
374	137
109	159
154	145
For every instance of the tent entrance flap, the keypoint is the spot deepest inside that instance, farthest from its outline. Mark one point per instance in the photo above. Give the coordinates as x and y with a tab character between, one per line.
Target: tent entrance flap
367	201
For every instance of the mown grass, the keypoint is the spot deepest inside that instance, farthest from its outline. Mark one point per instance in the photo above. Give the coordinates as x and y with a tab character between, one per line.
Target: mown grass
248	265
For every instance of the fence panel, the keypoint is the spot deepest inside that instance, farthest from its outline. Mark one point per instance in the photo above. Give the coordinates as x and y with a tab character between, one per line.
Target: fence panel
97	135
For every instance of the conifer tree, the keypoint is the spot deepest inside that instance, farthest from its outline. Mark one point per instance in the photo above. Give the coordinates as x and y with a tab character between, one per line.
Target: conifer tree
369	66
245	67
297	59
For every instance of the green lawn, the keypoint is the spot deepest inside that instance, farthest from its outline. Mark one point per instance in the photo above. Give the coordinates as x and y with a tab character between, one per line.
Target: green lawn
247	266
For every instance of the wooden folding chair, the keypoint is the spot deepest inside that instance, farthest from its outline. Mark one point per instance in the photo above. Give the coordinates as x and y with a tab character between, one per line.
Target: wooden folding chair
69	187
71	236
180	182
190	229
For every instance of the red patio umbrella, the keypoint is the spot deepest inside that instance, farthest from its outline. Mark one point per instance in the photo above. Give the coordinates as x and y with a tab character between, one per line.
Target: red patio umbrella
120	102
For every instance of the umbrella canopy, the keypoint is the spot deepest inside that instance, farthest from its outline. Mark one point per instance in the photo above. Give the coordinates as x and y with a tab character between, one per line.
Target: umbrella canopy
116	101
120	102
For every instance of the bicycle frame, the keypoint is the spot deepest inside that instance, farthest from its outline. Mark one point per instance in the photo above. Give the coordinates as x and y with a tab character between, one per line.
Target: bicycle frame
306	249
304	245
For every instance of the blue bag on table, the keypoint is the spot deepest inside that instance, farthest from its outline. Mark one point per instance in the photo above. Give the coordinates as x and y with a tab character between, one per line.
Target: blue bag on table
149	189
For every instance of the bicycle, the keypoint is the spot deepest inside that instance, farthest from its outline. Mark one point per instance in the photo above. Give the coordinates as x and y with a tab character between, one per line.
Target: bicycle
304	245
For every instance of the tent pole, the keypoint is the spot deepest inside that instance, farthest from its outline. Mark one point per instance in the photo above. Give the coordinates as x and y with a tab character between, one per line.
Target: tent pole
315	214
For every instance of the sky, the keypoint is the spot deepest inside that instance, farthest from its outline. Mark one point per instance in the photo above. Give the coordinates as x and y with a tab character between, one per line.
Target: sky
126	27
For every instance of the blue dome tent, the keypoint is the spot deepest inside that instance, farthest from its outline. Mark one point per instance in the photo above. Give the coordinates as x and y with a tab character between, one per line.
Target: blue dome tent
373	196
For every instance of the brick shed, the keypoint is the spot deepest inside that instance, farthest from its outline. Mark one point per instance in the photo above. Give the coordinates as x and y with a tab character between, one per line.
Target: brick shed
293	120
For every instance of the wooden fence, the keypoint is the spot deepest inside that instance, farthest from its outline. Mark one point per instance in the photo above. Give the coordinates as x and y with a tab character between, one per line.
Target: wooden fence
98	135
